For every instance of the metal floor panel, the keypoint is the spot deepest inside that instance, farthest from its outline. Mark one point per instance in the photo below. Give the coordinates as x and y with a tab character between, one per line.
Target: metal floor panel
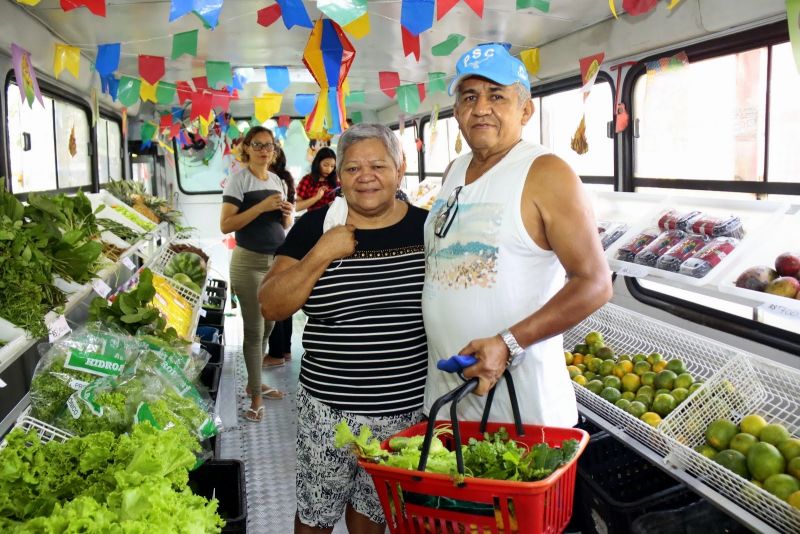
267	448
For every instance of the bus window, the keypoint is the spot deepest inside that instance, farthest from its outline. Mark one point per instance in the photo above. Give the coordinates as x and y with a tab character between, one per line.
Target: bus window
784	117
532	131
408	140
31	145
102	152
73	144
201	166
441	149
109	155
560	115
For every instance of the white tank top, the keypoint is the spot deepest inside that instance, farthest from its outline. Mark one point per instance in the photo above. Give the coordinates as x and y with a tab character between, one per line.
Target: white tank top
485	275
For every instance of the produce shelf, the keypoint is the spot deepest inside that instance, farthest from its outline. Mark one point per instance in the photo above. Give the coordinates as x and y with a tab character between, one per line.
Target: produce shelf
46	432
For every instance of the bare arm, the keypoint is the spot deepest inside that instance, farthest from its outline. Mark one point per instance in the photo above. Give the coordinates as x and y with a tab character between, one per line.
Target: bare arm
289	282
305	203
558	216
231	219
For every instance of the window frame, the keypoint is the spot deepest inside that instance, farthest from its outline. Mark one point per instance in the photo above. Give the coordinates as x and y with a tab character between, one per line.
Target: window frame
109	116
395	126
183	191
765	36
540	91
55	93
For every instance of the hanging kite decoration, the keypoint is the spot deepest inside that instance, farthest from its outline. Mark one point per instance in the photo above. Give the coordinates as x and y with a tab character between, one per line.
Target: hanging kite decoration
328	55
25	75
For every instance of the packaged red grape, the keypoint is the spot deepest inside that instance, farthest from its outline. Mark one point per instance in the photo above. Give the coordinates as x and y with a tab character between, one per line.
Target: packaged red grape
683	250
665	241
718	227
610	232
672	219
708	257
628	251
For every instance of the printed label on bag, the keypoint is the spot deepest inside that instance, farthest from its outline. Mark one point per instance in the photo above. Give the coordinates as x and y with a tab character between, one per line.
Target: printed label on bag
126	261
101	287
58	328
73	407
94	363
632	270
77	385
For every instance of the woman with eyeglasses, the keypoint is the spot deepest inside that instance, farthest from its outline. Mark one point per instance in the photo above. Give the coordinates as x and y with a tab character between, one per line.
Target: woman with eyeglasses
255	207
356	268
317	189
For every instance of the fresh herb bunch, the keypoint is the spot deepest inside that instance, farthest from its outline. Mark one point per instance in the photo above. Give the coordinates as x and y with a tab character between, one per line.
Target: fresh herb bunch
119	230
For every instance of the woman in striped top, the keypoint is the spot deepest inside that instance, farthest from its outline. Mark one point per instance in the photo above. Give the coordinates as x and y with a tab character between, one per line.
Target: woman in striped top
356	268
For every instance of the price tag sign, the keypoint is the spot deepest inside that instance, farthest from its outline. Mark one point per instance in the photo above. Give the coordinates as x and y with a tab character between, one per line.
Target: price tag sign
59	328
195	348
632	270
126	261
784	312
101	287
202	312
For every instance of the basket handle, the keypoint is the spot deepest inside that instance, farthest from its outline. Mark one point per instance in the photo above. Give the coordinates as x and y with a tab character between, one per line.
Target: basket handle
454	397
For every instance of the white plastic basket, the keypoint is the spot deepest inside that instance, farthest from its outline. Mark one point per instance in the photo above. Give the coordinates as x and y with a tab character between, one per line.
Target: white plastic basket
46	432
744	386
628	332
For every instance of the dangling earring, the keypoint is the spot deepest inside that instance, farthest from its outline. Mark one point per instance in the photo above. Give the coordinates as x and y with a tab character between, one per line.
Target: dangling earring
458	142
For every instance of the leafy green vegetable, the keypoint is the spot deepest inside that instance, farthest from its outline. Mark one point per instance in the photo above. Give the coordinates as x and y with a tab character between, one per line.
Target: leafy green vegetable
120	230
364	443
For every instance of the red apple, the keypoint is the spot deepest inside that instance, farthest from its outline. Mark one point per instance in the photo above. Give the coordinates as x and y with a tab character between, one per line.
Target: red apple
788	264
785	286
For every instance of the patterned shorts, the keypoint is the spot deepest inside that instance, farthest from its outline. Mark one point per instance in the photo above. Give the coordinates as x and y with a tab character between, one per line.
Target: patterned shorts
329	478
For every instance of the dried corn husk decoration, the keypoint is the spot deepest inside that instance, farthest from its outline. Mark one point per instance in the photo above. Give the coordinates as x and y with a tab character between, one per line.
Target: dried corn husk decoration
458	146
73	145
579	143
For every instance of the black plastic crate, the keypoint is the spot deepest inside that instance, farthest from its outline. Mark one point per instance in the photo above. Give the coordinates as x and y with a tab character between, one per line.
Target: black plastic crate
588	426
216	292
615	485
697	518
216	350
209	377
223	480
207	333
216	282
212	318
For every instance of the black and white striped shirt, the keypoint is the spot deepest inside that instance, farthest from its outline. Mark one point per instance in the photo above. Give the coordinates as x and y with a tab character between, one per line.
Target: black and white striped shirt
366	350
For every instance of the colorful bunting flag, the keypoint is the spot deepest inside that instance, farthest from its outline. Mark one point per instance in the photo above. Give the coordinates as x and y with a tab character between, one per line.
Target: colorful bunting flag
328	55
184	92
421	91
107	60
165	121
29	2
541	5
635	8
410	43
277	78
268	15
200	82
174	130
356	117
343	13
184	43
165	92
294	14
25	75
590	67
98	7
673	3
304	103
218	71
443	6
530	58
148	131
359	27
284	120
436	82
388	82
233	130
208	11
67	57
201	105
147	92
203	126
220	100
446	47
128	92
416	15
355	97
408	98
110	85
151	68
267	105
613	8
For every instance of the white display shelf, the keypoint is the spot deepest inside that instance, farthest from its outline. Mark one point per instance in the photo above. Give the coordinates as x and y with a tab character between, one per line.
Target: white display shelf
14	338
757	218
781	237
108	200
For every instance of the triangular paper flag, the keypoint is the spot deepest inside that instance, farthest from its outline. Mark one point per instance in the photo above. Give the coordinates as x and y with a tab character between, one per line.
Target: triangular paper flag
165	121
184	43
635	8
590	67
218	72
416	15
266	106
110	85
184	92
436	82
343	13
147	92
148	132
174	130
421	90
388	82
613	8
446	47
304	103
203	126
268	15
220	100
410	43
98	7
67	57
541	5
443	6
208	11
25	75
356	117
128	92
165	92
200	82
179	8
29	2
107	60
294	14
408	98
530	58
151	68
201	105
277	78
284	120
359	27
355	97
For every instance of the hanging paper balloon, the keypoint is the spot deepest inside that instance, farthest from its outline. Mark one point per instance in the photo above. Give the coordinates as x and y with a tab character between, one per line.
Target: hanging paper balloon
328	55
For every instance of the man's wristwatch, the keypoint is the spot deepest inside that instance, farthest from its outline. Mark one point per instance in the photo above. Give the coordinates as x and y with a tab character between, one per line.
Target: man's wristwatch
515	353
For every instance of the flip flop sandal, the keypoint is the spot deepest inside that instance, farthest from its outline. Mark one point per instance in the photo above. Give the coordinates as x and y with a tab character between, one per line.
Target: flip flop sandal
268	393
266	365
254	416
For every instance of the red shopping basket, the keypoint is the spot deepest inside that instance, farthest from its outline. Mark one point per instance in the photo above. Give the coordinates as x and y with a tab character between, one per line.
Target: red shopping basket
420	502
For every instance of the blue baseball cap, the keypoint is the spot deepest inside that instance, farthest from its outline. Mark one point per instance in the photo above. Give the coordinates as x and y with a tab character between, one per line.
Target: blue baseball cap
493	62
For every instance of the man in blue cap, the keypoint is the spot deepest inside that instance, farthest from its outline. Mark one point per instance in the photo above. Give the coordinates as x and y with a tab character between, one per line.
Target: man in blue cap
512	250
